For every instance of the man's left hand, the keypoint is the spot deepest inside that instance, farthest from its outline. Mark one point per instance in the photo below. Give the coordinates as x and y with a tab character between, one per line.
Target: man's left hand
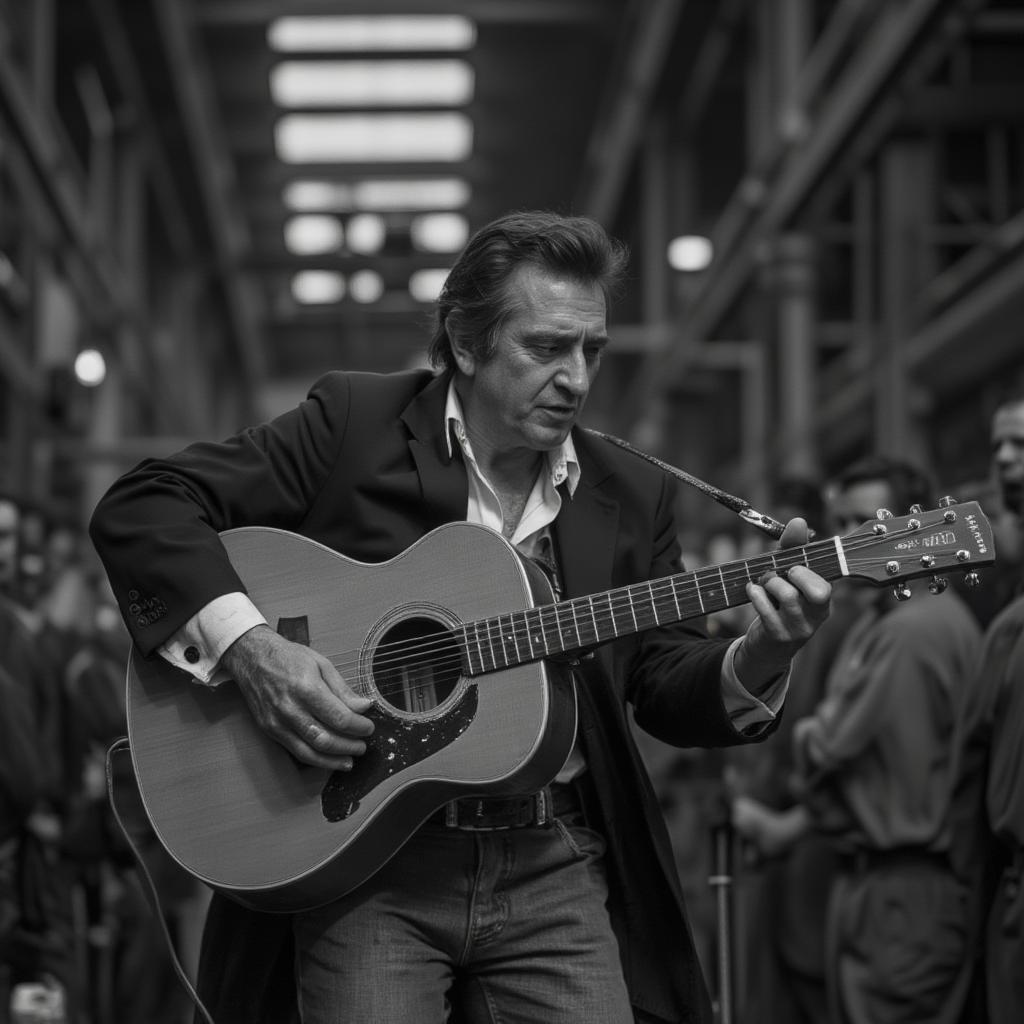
789	610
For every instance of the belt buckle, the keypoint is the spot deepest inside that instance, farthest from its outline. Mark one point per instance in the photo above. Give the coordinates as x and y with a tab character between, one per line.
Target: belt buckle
541	815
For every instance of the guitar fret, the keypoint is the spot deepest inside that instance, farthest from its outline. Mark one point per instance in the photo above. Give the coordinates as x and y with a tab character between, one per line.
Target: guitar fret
575	624
468	643
562	645
529	635
503	640
479	648
654	605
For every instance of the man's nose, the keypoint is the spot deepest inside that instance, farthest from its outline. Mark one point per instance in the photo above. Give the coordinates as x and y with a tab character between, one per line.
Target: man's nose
573	374
1006	453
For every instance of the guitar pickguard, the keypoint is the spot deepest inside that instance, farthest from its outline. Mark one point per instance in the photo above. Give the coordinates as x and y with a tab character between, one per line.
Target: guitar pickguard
397	743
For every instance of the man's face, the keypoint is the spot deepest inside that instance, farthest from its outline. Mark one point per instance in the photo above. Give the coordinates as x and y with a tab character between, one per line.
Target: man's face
1008	455
529	393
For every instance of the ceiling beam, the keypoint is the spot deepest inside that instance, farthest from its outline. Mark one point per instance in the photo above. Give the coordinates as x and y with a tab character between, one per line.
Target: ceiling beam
491	12
205	137
742	225
124	62
620	126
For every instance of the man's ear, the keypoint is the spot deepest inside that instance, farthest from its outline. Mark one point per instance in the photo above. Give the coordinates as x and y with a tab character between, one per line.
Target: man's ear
465	359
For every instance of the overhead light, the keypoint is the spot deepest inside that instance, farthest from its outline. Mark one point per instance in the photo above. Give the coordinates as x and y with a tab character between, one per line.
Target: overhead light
378	194
411	194
317	195
426	285
318	287
366	233
373	137
90	368
313	233
366	286
690	252
352	34
372	83
439	232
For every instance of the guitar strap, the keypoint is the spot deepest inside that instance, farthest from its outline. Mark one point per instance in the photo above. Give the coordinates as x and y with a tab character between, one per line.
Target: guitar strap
740	506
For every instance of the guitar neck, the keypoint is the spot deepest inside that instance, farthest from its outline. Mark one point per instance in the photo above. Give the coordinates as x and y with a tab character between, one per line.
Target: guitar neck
566	627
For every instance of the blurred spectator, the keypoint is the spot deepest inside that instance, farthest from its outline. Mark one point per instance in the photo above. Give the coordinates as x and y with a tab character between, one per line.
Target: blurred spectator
74	917
40	946
781	898
873	767
988	802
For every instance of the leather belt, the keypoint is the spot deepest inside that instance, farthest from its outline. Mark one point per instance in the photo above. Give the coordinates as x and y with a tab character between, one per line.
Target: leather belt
499	813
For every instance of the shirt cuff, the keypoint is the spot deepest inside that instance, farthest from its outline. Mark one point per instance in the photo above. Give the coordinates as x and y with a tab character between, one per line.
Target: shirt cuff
749	714
197	647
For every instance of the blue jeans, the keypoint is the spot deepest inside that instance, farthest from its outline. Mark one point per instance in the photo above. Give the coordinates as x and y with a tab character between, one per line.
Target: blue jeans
511	926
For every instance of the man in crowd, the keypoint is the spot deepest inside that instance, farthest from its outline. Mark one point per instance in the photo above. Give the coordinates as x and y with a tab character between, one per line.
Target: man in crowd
481	910
989	794
873	764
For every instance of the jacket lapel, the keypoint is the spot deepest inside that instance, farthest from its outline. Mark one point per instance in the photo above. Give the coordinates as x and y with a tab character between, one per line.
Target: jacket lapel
585	532
443	480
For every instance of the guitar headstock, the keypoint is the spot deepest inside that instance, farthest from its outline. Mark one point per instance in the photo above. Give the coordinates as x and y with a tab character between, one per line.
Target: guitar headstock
893	549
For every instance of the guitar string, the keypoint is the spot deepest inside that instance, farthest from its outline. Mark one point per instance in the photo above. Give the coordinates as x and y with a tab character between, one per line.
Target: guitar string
731	574
397	654
537	629
608	615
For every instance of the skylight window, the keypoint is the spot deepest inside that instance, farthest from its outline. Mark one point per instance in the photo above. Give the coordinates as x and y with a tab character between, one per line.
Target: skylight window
366	233
387	33
312	234
439	232
318	287
366	286
380	194
372	83
373	137
426	285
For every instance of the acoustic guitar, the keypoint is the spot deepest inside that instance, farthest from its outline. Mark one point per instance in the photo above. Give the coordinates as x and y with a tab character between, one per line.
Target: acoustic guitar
464	651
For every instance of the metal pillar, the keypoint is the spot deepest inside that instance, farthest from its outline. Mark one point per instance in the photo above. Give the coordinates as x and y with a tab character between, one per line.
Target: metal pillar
906	209
794	280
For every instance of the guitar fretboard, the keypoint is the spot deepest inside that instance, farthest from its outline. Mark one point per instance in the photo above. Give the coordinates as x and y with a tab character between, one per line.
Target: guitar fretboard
584	622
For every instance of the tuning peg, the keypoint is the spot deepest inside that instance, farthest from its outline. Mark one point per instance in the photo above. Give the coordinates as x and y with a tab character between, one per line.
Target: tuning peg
946	501
937	584
883	513
915	510
972	579
902	592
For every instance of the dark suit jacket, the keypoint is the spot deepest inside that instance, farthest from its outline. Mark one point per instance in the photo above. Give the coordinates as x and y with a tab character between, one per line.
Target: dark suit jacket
362	467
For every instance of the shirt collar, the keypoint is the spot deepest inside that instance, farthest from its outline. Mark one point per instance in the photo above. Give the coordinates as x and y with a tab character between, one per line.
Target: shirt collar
563	466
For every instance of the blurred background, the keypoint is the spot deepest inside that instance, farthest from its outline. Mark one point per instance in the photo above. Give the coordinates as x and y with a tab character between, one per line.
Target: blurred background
205	204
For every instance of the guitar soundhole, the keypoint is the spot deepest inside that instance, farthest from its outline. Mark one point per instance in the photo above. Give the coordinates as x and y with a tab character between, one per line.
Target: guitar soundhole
416	665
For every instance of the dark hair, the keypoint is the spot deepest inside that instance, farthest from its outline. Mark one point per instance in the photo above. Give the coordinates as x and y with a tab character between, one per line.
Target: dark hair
476	301
909	484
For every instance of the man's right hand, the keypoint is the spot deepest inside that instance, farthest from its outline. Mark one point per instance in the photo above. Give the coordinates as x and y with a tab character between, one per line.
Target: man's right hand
299	698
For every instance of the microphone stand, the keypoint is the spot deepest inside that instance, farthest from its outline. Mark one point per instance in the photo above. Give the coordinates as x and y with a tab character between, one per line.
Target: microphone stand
721	883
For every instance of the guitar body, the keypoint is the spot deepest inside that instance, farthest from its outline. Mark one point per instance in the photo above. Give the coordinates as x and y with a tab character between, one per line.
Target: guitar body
234	808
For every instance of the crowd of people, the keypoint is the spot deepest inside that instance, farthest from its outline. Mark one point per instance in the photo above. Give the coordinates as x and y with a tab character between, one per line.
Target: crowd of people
880	828
78	939
863	763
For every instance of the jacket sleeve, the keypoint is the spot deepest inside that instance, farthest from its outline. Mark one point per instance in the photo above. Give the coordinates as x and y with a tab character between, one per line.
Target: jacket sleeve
675	679
156	530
